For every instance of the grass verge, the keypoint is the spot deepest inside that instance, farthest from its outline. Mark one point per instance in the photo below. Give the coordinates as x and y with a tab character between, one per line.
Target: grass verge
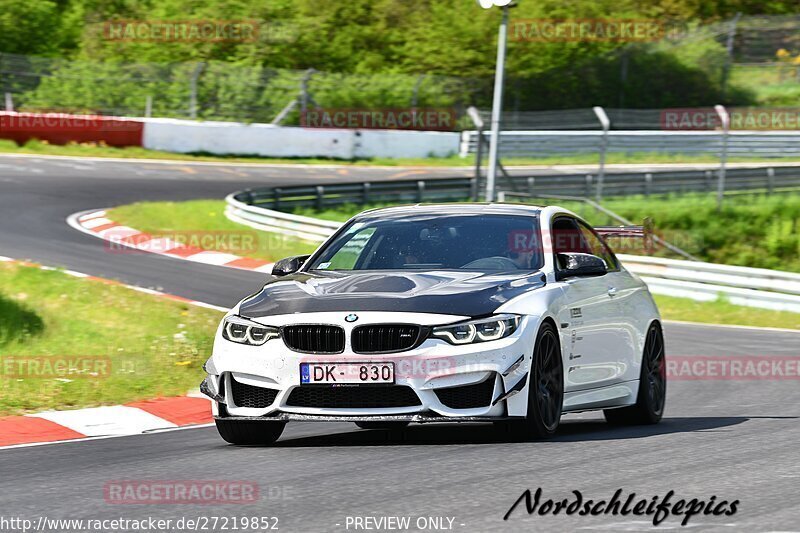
202	223
723	312
95	150
136	345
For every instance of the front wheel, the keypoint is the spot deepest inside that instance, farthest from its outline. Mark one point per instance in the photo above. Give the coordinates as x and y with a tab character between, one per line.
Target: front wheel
652	395
545	391
249	431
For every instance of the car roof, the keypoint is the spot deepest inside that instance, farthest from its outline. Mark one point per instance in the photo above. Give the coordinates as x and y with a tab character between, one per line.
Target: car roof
456	208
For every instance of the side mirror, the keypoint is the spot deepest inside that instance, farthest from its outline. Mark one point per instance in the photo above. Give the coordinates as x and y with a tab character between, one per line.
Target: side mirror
290	265
578	265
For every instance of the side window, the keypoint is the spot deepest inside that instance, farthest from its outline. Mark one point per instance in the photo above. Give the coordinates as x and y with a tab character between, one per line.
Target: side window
566	237
599	247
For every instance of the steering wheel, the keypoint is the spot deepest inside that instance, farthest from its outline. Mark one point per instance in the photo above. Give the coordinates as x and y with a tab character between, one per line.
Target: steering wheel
497	262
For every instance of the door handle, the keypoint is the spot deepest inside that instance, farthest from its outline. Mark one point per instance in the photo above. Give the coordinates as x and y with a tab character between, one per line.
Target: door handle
612	291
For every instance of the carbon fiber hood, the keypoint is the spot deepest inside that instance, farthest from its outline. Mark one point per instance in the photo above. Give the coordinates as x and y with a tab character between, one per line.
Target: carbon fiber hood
443	292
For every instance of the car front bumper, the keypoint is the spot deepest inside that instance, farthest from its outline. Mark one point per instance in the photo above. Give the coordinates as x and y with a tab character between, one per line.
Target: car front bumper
442	382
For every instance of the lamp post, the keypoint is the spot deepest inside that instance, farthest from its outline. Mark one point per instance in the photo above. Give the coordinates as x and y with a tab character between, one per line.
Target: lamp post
497	99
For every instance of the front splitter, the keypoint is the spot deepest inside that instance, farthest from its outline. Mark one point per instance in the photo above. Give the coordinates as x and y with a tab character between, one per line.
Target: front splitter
417	418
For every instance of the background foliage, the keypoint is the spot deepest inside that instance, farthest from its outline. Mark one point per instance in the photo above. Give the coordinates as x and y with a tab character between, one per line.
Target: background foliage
378	49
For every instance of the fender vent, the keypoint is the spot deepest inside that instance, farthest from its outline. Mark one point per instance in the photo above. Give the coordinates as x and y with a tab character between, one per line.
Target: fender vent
468	396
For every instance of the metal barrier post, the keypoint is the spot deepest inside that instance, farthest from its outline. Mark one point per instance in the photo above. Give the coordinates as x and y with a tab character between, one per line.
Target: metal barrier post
148	106
770	180
475	116
9	103
648	183
193	90
726	125
605	123
320	196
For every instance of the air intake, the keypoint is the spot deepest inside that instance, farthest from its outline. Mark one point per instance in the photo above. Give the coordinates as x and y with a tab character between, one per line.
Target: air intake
249	396
314	338
363	397
385	338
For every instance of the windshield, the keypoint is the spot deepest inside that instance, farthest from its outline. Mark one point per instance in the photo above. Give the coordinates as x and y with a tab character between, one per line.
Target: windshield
435	241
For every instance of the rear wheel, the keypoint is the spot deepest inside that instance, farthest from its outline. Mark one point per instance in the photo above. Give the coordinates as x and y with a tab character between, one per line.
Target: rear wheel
545	391
390	426
249	431
652	395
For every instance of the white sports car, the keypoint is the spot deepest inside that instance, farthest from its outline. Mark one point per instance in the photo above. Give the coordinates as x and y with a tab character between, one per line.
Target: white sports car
511	314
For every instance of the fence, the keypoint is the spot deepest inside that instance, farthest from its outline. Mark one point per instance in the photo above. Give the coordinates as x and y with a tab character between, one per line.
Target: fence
214	90
749	144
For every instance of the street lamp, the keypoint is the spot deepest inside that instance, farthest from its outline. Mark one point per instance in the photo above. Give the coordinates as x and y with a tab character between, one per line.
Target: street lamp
497	99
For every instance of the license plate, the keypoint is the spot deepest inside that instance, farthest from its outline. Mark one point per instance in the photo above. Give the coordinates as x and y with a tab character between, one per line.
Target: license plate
346	373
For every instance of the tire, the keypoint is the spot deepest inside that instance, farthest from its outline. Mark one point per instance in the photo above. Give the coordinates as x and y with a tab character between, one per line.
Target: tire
390	426
249	431
652	395
545	391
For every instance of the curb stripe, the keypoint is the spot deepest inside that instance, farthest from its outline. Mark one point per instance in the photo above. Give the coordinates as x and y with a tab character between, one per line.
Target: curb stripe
25	430
117	236
180	411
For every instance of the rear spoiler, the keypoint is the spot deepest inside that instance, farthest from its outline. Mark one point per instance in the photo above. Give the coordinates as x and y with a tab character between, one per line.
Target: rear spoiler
645	231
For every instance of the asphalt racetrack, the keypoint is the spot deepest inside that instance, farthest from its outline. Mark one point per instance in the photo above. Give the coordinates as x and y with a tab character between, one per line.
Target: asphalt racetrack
736	440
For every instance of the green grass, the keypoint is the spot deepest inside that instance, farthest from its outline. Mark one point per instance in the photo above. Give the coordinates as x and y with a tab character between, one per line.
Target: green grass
155	347
723	312
203	223
94	150
770	86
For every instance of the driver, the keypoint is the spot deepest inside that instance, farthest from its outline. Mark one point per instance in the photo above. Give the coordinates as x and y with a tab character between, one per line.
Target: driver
521	258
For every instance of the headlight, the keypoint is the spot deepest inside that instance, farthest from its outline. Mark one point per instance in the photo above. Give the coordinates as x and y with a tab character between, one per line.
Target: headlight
481	330
245	331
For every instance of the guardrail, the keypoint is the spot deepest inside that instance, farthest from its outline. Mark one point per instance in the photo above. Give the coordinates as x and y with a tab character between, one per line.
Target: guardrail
768	179
754	287
556	142
307	228
320	196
